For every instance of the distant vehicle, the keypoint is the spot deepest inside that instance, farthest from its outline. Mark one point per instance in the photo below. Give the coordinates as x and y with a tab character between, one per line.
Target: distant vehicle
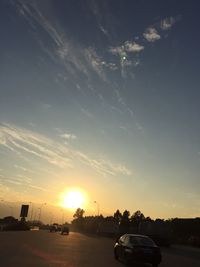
131	248
53	228
59	228
35	228
65	230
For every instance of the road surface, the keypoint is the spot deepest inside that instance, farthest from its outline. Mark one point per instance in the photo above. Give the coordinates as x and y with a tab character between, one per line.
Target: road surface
44	249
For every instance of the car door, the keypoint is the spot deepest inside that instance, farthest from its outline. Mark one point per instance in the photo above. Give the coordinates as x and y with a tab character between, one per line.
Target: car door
121	247
127	251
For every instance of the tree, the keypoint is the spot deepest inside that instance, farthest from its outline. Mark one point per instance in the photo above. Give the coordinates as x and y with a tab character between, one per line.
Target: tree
79	221
136	219
148	219
117	216
125	222
9	219
125	216
138	216
79	213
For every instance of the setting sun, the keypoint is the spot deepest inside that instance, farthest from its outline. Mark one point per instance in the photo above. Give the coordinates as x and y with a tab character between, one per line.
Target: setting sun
73	199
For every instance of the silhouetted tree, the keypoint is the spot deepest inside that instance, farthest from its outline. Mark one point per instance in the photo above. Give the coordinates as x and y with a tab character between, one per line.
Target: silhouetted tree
148	219
138	216
125	222
79	221
125	216
9	219
136	219
79	213
158	220
117	216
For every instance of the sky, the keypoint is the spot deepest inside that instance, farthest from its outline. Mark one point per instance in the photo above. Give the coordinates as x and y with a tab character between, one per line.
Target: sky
102	96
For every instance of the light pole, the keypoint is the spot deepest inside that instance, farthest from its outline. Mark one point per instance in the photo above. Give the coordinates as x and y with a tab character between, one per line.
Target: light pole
40	211
97	207
51	218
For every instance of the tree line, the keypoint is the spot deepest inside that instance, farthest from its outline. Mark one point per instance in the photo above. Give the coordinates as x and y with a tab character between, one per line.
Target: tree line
181	231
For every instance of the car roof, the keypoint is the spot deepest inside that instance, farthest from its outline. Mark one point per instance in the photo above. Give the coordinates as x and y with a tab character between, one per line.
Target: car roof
136	235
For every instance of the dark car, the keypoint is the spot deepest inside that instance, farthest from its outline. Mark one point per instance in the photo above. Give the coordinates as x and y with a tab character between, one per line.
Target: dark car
53	228
132	248
65	230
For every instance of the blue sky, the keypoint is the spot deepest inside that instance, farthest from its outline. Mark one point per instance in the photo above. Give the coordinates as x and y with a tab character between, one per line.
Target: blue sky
101	95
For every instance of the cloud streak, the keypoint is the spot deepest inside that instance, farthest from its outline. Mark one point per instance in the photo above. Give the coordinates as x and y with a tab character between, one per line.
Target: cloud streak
75	58
68	136
28	143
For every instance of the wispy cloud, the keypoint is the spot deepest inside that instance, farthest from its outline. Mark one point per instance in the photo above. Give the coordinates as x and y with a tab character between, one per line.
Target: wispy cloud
117	50
35	145
61	48
123	52
23	178
2	139
75	58
103	166
22	168
167	23
110	65
38	188
151	34
68	136
13	182
17	179
103	30
95	62
21	141
126	47
133	47
7	192
87	113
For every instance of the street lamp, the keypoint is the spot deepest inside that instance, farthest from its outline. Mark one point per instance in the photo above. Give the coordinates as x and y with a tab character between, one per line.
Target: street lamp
51	218
40	208
97	207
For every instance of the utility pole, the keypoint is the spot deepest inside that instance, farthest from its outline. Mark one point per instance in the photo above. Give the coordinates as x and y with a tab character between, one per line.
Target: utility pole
97	207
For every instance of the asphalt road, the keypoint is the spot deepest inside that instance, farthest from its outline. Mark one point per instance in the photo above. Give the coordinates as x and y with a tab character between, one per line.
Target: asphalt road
42	249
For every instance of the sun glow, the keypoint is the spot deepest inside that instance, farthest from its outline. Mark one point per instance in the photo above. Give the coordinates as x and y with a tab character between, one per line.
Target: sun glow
73	199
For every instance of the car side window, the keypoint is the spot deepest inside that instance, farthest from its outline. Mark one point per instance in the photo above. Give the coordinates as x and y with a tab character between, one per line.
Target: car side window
126	240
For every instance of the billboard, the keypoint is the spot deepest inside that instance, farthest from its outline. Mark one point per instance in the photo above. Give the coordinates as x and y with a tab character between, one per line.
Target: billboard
24	211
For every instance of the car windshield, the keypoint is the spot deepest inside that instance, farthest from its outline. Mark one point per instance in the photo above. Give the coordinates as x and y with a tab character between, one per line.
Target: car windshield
141	241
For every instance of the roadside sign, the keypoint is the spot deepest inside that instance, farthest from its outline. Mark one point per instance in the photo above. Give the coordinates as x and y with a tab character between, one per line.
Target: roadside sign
24	211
